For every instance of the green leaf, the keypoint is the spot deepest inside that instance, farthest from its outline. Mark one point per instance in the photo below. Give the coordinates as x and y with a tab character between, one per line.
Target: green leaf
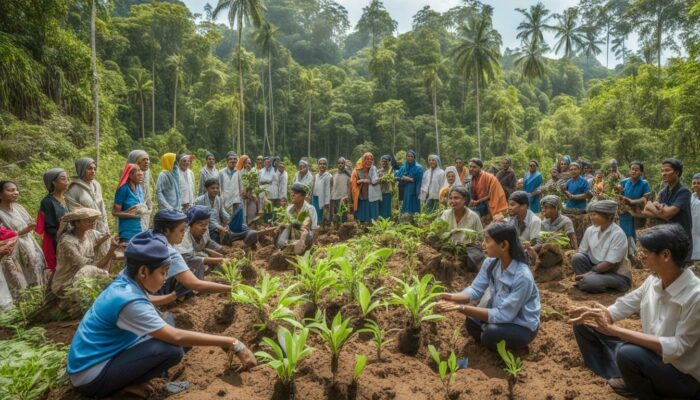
360	362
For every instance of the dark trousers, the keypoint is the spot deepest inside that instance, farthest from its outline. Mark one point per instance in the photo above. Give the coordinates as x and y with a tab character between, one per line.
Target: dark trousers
139	364
644	372
516	336
597	282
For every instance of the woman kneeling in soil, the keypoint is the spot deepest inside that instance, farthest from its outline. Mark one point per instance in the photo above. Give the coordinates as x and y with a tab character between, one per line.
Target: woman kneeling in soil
180	281
122	342
459	216
512	311
662	361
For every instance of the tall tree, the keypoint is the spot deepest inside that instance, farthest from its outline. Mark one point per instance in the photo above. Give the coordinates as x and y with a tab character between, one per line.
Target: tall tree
265	39
309	82
95	79
570	35
376	22
655	18
388	115
591	43
241	13
531	60
532	29
477	55
432	82
140	86
175	62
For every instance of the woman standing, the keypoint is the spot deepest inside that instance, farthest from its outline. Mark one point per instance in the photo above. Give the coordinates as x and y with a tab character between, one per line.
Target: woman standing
129	204
451	180
321	192
250	200
303	176
366	194
410	177
635	192
123	342
433	181
168	185
386	169
51	210
140	158
185	180
85	191
531	183
27	255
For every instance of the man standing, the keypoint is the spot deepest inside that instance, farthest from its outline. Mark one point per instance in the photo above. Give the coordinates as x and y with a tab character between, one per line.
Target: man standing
229	184
506	176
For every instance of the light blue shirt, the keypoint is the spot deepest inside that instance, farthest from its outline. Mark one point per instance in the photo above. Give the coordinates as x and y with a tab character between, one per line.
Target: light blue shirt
514	295
177	263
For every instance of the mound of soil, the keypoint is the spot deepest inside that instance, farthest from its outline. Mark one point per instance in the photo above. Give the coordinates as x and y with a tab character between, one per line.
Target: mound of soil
553	368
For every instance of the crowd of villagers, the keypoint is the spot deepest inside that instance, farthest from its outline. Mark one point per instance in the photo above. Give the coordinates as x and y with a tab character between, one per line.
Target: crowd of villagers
169	234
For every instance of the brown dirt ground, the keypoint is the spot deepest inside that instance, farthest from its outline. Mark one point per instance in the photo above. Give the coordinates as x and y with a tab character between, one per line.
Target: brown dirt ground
553	368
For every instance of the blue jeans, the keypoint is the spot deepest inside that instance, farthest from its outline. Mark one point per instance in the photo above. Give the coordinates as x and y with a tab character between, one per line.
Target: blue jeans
516	336
644	372
133	366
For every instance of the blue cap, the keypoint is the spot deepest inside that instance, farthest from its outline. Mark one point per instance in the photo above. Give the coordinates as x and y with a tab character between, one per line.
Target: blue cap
197	213
149	249
169	216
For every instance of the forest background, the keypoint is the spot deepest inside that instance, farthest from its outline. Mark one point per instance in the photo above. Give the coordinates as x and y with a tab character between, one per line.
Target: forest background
294	78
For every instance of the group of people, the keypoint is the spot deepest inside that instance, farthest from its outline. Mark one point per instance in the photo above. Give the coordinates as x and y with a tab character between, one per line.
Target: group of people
167	254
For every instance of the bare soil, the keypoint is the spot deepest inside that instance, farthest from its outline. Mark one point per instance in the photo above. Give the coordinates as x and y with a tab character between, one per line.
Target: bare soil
553	368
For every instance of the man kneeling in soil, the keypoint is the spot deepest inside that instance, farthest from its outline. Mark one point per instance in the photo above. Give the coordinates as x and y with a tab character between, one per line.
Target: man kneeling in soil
196	247
302	221
222	228
663	360
601	262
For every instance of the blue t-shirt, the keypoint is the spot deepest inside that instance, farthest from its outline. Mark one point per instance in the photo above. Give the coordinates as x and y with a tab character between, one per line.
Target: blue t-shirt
635	190
126	198
577	186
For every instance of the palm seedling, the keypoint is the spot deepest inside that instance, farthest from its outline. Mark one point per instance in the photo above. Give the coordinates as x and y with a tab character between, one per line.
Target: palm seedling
558	238
26	307
231	271
314	280
368	301
418	300
360	362
286	357
83	292
335	336
271	303
375	262
443	366
513	366
379	338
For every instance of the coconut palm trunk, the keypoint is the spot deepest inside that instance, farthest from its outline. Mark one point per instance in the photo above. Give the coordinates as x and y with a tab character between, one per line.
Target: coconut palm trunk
95	87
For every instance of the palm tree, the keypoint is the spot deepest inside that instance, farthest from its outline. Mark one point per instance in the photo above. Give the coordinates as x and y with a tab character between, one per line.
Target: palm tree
531	60
241	12
265	39
175	61
95	81
570	35
140	86
532	29
477	55
309	81
432	81
591	42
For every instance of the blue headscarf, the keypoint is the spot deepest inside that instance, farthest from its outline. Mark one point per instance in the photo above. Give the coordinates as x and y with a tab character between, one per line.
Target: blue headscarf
413	170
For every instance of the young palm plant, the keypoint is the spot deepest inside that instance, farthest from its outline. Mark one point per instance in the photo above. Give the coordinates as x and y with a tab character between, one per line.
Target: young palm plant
286	357
368	301
418	300
271	303
336	336
360	362
314	280
513	366
379	338
231	272
443	366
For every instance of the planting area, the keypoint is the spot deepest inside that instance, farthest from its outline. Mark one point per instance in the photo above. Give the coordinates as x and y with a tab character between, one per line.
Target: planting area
375	274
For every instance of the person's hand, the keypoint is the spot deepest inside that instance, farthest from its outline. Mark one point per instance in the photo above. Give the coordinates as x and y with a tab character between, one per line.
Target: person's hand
105	236
498	217
580	277
447	296
222	229
170	297
114	243
473	203
527	245
30	226
447	306
568	194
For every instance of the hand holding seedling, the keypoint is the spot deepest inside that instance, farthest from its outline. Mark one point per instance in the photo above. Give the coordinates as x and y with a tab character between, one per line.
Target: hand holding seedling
445	306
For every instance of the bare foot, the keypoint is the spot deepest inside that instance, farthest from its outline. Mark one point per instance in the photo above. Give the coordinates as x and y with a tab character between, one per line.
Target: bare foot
141	391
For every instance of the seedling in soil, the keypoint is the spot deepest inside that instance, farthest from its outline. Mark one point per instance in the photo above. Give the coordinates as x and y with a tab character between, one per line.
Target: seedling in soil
335	336
418	299
378	336
231	271
365	297
286	357
558	238
83	292
26	307
443	366
360	362
261	297
513	366
314	280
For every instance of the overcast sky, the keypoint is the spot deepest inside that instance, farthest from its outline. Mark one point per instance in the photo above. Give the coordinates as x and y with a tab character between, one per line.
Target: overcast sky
505	18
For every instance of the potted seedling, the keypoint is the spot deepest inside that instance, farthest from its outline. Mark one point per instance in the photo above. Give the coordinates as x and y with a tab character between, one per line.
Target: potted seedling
443	366
418	300
314	280
285	358
335	336
360	362
513	366
271	303
231	272
551	252
379	338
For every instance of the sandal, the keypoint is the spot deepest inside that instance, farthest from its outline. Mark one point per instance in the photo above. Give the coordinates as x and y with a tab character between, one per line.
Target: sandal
619	387
176	387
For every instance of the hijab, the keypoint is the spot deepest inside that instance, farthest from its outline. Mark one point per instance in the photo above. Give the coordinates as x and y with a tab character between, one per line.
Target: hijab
135	156
81	166
50	176
168	162
128	168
